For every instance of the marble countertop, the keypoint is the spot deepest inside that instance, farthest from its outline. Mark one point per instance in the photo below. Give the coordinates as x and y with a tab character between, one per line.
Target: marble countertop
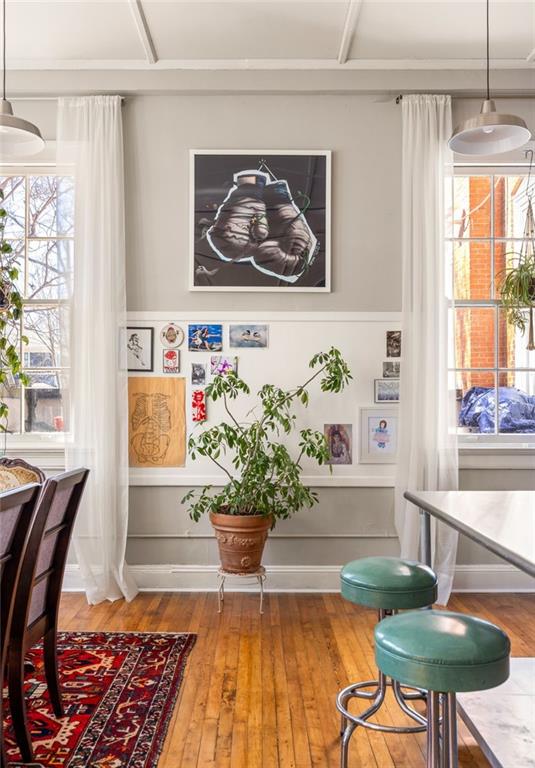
501	521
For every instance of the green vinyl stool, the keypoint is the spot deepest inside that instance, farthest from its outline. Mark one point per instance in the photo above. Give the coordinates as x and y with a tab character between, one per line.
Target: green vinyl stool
388	584
444	653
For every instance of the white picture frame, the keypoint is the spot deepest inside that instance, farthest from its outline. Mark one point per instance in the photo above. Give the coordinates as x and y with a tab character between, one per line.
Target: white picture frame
281	287
386	391
373	450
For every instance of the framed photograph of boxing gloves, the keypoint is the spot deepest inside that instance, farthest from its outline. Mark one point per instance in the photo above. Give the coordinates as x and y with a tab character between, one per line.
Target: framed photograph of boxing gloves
260	220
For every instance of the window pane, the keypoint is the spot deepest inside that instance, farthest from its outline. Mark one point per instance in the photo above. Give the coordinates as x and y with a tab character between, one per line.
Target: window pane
10	395
472	206
474	337
476	397
513	342
472	269
510	203
49	269
45	404
16	259
46	329
517	401
51	206
14	188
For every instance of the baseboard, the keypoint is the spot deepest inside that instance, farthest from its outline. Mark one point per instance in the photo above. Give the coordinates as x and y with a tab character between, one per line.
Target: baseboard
299	578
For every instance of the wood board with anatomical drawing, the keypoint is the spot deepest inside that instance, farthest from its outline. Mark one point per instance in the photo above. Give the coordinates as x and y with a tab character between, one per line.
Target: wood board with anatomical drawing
156	421
260	220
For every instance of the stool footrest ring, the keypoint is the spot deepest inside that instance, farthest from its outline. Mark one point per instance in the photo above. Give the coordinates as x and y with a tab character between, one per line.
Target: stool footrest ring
350	721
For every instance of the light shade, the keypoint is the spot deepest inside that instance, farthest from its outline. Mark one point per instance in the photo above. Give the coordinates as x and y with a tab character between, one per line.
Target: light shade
18	137
490	133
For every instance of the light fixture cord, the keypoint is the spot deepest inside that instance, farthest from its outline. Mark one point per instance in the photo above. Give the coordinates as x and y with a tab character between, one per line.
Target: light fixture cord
4	50
488	52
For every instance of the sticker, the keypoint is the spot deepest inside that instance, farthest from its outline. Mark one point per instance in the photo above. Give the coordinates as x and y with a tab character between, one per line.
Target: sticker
171	361
198	405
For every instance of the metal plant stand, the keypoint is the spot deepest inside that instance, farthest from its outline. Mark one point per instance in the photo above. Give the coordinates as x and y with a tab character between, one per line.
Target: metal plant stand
222	575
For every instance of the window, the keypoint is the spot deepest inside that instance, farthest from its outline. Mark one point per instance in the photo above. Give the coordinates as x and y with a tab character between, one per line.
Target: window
494	372
39	228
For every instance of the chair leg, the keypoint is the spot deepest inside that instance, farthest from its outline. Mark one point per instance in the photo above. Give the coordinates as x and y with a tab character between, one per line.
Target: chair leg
344	747
17	704
433	725
450	704
51	671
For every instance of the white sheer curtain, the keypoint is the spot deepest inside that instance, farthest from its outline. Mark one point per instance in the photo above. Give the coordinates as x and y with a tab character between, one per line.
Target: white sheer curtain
89	136
428	458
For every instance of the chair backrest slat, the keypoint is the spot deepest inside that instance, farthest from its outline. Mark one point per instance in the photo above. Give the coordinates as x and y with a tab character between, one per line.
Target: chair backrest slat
17	513
38	595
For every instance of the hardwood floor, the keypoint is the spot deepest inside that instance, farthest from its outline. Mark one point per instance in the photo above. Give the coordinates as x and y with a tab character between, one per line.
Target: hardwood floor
259	690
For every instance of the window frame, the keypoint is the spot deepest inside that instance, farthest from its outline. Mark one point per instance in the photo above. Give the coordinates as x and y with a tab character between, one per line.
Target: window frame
515	443
45	448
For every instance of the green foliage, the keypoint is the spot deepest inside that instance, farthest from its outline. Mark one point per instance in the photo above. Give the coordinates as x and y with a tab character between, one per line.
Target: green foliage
10	313
517	290
263	477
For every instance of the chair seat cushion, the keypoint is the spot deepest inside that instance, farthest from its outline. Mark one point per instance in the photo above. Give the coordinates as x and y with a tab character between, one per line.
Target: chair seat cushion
388	582
442	651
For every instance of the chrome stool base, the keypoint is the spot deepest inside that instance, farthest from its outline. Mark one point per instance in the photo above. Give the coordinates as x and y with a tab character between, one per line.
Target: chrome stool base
349	721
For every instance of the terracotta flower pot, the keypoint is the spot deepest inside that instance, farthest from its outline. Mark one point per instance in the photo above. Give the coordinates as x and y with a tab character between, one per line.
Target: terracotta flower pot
241	540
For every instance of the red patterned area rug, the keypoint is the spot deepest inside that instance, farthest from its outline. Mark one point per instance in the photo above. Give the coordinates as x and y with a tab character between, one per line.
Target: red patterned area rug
119	689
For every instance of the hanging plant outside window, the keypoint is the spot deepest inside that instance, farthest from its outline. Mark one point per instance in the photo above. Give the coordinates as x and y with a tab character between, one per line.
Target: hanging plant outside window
517	282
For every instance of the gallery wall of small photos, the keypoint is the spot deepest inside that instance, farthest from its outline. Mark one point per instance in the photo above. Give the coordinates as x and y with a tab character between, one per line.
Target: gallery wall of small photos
171	362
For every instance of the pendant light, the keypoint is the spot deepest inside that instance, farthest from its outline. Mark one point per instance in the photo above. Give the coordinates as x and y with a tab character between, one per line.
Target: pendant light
18	137
490	133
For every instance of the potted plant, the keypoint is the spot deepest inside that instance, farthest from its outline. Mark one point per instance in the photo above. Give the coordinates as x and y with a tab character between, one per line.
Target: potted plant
517	282
10	313
264	479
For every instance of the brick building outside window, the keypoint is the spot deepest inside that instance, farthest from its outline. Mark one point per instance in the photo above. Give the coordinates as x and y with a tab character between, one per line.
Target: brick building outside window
485	227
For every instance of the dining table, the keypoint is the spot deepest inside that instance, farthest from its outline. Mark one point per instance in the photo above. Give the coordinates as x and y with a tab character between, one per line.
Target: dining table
502	720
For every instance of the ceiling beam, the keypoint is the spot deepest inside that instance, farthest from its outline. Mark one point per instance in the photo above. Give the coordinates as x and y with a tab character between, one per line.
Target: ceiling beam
350	27
143	31
531	56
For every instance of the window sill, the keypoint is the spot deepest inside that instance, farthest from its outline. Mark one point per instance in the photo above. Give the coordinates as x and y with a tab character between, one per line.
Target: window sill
44	452
495	454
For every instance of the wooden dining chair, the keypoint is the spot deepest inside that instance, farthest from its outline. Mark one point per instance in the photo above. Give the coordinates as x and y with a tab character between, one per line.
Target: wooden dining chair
35	612
15	472
17	512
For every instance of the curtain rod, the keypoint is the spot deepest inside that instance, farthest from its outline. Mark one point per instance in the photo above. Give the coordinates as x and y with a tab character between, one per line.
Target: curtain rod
399	97
55	98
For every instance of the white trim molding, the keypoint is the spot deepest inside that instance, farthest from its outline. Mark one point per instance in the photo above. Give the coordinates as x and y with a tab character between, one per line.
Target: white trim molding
168	477
299	578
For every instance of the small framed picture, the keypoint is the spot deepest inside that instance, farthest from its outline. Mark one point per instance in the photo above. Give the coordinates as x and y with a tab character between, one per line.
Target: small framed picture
386	391
248	336
171	361
391	369
393	343
198	374
220	365
378	435
340	441
139	349
171	336
205	338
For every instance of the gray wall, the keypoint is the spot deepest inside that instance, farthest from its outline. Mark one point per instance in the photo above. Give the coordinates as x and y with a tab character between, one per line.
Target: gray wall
365	138
364	132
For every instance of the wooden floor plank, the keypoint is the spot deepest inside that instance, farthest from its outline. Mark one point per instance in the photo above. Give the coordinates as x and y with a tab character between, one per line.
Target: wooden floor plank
259	691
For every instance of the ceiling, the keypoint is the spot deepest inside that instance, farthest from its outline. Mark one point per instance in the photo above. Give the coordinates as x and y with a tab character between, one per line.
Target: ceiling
274	34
